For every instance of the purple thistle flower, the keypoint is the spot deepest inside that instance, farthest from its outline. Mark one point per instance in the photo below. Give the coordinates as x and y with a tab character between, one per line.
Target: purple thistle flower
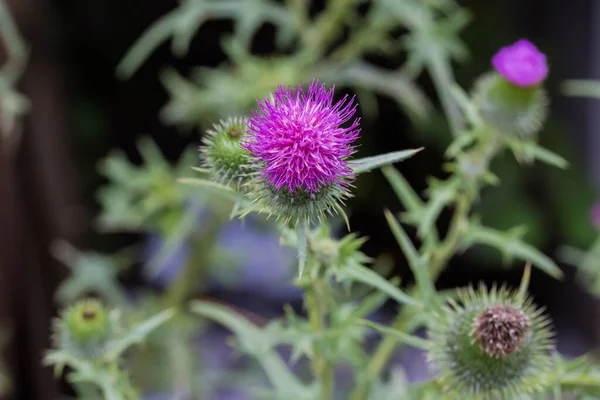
521	64
298	139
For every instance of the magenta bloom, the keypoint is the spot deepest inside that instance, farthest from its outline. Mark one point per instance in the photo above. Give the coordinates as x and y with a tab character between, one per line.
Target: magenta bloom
298	139
522	64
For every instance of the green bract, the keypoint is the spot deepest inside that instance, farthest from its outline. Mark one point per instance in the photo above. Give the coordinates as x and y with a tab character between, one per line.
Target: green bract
511	111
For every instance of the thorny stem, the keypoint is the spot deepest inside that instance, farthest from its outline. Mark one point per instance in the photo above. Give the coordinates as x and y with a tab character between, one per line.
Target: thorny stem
439	259
316	307
441	73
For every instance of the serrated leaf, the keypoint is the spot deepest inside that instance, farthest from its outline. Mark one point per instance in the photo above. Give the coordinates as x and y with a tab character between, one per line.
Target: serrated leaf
366	276
402	188
418	268
367	164
217	187
138	333
402	337
255	343
511	245
545	155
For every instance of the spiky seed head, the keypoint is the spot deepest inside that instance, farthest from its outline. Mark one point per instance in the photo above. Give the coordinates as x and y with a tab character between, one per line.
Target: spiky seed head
301	151
491	344
84	328
222	153
500	329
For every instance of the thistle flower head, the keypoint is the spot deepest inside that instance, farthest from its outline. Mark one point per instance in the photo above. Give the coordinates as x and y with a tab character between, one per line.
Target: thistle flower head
521	64
300	151
222	153
491	344
298	138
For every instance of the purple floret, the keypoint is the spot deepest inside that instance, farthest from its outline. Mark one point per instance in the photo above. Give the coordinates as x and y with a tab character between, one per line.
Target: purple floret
521	64
298	138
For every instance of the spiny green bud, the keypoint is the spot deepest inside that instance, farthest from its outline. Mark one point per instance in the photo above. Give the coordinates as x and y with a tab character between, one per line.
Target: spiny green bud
222	153
84	328
494	344
511	111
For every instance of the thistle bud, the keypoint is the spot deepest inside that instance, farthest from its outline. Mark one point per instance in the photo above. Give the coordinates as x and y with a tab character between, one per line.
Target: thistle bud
222	153
511	99
84	328
494	344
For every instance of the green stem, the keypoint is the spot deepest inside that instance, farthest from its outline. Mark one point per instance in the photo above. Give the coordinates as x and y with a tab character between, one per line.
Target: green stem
316	307
440	258
441	73
181	289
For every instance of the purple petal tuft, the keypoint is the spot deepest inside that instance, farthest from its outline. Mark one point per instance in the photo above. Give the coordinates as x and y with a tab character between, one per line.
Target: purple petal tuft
521	63
298	137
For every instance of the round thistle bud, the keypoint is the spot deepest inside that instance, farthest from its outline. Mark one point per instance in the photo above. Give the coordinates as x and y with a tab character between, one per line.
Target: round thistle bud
494	344
84	328
301	152
221	152
511	100
510	110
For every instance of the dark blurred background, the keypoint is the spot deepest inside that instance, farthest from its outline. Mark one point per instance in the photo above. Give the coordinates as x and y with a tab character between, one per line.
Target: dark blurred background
80	111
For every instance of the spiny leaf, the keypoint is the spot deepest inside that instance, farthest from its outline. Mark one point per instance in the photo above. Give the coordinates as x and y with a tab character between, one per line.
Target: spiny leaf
402	337
138	333
419	269
364	275
222	189
370	163
510	244
254	342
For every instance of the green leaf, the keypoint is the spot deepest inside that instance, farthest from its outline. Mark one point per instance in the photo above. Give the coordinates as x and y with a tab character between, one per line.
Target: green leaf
402	337
417	266
255	343
138	333
364	275
581	87
219	188
545	155
370	163
402	188
511	245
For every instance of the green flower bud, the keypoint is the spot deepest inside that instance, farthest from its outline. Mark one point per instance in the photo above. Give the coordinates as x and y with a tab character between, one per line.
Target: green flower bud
84	328
494	344
511	111
222	153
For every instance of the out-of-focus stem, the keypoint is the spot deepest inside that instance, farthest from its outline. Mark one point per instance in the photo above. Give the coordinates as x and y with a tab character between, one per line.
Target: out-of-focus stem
441	73
317	310
439	259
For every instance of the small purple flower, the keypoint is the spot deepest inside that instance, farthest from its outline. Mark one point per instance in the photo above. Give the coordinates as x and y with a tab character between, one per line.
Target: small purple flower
298	139
521	64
